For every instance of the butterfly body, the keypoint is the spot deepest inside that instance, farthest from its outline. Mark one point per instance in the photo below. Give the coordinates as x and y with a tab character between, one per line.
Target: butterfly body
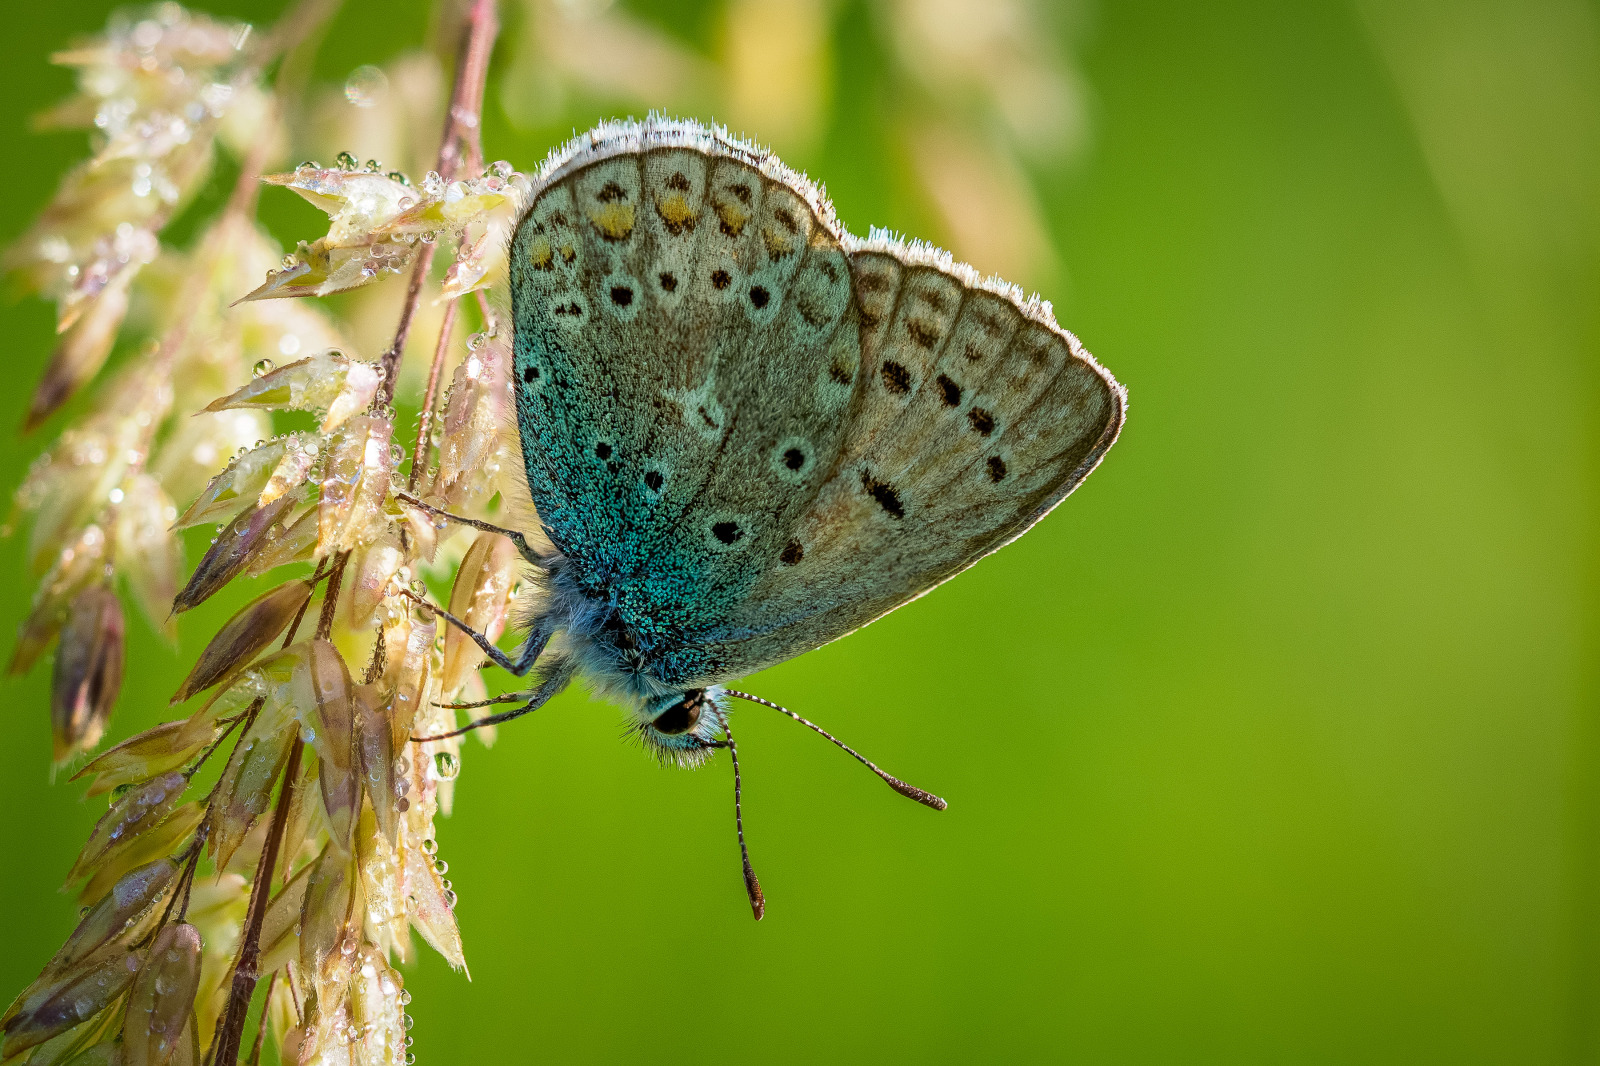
748	432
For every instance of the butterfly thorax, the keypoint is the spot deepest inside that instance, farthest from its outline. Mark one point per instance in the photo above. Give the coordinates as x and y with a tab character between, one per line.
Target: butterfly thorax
623	632
625	660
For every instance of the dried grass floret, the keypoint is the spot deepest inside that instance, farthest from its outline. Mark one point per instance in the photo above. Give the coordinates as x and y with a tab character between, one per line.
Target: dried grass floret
88	670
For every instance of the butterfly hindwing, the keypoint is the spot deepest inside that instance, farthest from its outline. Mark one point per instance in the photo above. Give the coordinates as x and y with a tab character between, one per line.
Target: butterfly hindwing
683	325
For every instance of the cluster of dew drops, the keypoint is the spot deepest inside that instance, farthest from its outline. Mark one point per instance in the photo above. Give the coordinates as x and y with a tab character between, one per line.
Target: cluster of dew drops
494	178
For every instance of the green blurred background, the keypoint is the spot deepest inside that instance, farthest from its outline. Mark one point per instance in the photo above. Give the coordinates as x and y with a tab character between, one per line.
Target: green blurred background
1277	743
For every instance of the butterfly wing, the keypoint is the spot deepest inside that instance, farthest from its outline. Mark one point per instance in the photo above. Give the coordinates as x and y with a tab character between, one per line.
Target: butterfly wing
752	433
686	353
975	415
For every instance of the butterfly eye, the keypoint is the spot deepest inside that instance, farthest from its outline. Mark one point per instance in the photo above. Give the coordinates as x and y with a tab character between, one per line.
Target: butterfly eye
679	718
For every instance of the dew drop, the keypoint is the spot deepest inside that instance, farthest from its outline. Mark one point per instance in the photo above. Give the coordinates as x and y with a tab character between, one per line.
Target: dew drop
263	366
346	161
366	86
446	766
430	846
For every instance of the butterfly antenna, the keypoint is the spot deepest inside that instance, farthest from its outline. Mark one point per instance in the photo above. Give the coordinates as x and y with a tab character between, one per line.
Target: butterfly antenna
927	799
752	886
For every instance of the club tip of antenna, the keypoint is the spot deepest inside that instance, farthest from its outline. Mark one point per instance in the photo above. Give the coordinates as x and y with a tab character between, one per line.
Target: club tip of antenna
758	902
927	799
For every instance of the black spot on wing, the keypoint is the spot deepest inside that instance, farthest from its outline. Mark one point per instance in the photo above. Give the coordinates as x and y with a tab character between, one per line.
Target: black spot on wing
884	494
896	378
981	420
949	391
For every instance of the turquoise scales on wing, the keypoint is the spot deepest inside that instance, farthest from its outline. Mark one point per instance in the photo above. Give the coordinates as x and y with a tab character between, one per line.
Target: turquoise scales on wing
748	432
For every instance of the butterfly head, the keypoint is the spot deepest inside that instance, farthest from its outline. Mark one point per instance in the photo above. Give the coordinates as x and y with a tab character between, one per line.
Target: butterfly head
683	727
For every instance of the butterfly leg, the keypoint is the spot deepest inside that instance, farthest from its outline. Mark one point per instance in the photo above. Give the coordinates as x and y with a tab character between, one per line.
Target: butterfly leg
532	648
555	681
512	535
505	697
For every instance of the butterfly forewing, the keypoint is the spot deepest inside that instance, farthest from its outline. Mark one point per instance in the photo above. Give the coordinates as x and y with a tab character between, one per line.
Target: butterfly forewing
751	432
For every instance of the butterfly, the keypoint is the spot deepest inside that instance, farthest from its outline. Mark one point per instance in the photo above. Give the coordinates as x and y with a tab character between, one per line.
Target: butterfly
748	432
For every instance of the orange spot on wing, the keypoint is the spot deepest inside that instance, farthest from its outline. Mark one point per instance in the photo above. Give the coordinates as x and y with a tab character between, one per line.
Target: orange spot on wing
540	254
676	214
733	218
613	220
